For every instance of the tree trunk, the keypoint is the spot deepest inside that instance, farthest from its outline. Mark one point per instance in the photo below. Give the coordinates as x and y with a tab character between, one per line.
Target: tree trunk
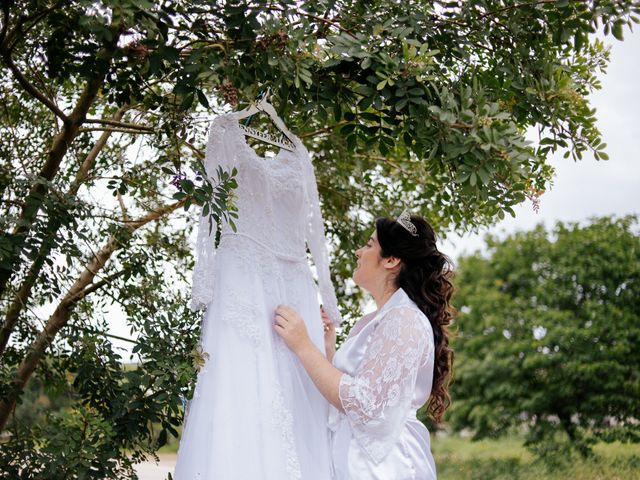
61	315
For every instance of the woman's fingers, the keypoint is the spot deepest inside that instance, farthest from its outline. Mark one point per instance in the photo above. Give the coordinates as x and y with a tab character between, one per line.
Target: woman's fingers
286	311
280	319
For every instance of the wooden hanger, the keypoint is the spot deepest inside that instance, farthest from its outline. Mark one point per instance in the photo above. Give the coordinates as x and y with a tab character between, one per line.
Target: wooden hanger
285	140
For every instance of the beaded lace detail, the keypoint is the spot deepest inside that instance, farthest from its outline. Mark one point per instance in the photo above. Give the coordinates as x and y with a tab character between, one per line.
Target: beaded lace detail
283	420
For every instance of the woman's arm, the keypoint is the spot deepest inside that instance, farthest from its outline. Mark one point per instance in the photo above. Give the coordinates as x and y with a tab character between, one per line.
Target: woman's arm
291	327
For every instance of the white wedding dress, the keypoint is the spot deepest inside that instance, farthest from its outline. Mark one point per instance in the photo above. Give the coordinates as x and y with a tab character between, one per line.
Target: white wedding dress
255	413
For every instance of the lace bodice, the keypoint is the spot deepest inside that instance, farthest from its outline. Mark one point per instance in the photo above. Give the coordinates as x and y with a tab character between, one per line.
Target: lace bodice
388	371
278	209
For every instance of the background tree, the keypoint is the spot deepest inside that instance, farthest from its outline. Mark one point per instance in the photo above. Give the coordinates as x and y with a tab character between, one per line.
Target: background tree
103	116
548	336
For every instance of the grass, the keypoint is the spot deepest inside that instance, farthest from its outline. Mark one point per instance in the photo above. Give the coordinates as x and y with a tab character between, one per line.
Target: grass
506	459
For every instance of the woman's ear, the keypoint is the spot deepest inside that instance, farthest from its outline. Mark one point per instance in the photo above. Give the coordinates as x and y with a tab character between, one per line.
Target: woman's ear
390	263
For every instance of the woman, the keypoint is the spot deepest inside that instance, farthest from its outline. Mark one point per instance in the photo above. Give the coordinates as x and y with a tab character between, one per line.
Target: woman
394	360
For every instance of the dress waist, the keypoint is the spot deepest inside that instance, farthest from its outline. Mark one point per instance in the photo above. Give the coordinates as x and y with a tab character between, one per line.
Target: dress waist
281	255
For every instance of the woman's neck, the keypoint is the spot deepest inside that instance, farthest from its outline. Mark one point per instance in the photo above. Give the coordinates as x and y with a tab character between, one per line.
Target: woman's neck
383	296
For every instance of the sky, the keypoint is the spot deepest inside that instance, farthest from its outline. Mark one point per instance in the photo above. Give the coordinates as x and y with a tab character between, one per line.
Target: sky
580	190
588	188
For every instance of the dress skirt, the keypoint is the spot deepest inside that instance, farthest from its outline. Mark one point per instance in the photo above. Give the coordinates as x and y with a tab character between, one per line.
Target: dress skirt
255	413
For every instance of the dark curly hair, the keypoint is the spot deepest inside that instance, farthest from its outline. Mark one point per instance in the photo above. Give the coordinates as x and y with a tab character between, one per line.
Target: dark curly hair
425	275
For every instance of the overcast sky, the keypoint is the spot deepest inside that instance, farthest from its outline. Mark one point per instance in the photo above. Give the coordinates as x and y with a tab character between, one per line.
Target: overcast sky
588	187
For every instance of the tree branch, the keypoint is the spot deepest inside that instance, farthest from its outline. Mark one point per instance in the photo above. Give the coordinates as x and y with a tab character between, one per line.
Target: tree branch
30	88
315	17
97	285
131	126
112	129
191	147
323	130
328	22
514	7
57	151
10	40
125	217
98	332
89	161
21	298
5	24
384	159
82	286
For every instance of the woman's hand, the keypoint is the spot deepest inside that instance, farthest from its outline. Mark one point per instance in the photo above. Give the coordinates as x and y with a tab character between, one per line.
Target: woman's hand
329	335
291	327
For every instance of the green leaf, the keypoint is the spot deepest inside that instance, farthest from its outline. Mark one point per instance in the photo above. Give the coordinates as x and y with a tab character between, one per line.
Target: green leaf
187	101
400	104
578	41
617	30
202	98
484	176
347	129
162	438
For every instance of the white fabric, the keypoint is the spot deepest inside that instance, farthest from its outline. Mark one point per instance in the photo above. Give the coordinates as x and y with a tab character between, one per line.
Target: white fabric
283	213
388	362
255	412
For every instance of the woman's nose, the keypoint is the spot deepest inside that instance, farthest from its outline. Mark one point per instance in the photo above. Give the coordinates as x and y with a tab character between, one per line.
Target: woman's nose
358	253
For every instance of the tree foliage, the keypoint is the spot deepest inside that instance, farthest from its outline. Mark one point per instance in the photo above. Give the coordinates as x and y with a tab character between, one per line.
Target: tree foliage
103	120
548	336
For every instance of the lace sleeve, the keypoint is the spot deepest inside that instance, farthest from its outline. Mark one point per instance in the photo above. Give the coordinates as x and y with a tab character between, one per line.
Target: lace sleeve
202	280
377	399
318	245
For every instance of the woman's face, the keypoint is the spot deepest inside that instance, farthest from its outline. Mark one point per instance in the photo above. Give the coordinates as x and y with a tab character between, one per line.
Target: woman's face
368	266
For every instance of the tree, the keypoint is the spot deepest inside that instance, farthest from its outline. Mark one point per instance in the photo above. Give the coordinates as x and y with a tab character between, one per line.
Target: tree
548	333
102	121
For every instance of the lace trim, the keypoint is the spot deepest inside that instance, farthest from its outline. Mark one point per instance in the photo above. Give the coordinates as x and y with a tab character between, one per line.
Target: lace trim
316	239
377	399
283	420
243	316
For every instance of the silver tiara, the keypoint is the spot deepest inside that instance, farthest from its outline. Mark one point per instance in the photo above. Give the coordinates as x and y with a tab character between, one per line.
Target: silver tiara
405	220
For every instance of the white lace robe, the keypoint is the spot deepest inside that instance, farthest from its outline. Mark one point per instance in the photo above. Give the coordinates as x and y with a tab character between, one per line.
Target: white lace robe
388	371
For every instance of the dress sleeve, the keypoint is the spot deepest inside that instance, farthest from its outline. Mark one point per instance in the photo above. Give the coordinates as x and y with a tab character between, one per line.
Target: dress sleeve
202	280
377	399
318	245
